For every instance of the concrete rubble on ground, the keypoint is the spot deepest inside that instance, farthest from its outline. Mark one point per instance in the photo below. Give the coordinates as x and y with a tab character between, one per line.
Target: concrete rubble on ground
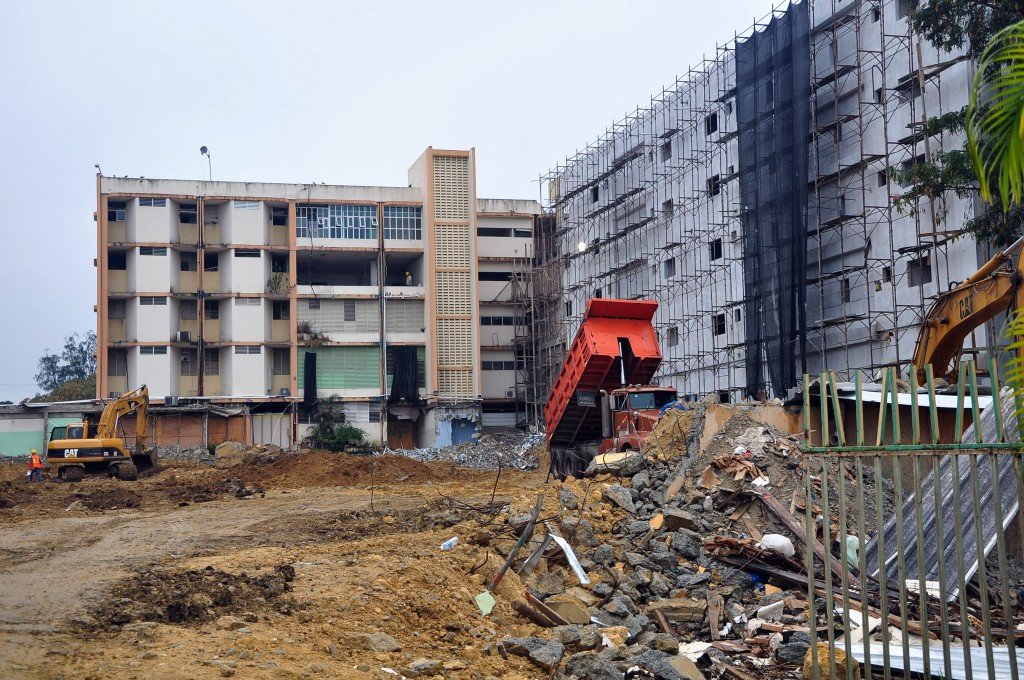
505	449
685	548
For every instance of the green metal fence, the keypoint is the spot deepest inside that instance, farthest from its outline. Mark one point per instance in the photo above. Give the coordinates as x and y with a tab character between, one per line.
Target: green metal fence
923	584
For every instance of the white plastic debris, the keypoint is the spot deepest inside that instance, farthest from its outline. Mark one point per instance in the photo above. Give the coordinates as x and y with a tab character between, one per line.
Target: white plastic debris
771	612
778	543
763	480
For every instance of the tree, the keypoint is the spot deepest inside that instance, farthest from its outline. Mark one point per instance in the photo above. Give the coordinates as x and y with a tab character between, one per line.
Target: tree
995	118
966	25
77	361
330	431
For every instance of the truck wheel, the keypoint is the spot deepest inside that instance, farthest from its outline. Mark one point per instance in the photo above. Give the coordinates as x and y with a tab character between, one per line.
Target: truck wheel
71	473
127	472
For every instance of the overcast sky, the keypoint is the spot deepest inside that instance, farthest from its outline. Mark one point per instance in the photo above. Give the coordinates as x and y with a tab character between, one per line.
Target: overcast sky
335	92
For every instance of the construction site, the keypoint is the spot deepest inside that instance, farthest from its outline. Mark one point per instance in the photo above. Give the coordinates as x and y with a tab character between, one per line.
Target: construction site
730	400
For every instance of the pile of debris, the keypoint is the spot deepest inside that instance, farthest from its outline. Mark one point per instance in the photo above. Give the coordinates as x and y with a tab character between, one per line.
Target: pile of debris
682	564
505	449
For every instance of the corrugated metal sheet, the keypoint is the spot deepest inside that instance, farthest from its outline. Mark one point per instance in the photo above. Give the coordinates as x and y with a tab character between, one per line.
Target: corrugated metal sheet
915	662
342	316
967	528
405	316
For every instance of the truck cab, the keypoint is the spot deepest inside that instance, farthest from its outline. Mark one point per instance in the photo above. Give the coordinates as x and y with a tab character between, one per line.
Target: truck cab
629	414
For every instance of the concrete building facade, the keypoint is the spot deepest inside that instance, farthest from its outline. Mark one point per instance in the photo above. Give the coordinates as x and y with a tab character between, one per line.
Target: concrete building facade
236	292
754	200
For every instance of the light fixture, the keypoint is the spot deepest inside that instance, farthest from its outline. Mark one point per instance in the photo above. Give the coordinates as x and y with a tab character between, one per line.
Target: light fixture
581	246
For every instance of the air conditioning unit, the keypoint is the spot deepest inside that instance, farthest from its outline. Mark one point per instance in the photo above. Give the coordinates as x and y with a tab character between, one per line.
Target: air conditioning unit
184	336
170	401
113	395
510	393
285	392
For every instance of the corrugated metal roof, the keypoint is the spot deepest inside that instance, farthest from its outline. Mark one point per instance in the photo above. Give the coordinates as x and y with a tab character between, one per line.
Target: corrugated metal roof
915	662
967	526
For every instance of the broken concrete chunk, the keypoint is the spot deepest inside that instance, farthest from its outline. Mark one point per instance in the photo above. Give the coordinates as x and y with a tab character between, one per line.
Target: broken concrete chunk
543	653
686	668
624	464
592	666
567	499
620	496
423	666
678	519
569	608
680	609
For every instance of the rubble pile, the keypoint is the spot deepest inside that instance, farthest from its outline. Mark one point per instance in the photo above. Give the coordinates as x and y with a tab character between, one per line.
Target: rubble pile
504	449
703	549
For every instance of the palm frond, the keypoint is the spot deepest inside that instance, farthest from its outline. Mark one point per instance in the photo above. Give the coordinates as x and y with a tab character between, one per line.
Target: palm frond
995	117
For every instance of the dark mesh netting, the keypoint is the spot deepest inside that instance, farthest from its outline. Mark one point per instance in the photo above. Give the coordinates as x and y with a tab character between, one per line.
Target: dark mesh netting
773	118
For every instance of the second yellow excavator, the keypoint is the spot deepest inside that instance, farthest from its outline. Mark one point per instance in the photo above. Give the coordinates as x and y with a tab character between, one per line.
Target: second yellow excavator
993	289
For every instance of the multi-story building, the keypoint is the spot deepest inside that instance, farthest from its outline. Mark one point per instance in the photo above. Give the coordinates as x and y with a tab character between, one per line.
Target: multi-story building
400	301
754	200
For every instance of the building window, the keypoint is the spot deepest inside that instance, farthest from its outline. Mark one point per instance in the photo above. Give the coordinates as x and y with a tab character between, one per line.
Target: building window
493	231
117	260
117	362
279	217
313	304
336	221
715	249
248	302
881	178
282	361
211	362
149	250
153	202
116	211
374	411
245	252
842	206
279	264
188	262
150	301
666	151
403	222
248	349
845	290
211	309
876	15
187	310
211	262
247	205
282	310
189	362
116	309
522	233
738	314
153	350
728	108
887	273
498	365
350	310
595	194
902	8
714	185
568	307
494	276
718	323
669	267
188	214
908	166
919	271
769	92
673	336
723	397
711	124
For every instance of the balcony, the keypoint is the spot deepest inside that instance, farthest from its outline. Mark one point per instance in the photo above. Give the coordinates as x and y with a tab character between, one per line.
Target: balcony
211	386
414	292
116	330
188	386
117	232
278	383
211	330
211	282
211	235
188	282
279	236
281	330
117	281
188	234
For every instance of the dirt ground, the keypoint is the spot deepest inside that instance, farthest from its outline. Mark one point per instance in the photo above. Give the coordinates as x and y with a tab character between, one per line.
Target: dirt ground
322	565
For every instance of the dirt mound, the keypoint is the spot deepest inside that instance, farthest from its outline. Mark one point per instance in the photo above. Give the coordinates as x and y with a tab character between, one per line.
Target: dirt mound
195	596
669	438
323	468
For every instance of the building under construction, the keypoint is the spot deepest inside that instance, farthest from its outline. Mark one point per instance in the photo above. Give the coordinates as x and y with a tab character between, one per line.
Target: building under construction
753	198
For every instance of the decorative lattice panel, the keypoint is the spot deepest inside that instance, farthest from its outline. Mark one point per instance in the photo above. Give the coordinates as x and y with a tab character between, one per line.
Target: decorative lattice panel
456	383
452	246
452	293
454	342
451	188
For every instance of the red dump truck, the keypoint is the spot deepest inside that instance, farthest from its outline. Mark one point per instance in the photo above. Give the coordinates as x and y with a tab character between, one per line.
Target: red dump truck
602	400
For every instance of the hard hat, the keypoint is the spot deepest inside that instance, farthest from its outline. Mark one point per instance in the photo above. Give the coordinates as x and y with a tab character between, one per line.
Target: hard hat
34	451
407	273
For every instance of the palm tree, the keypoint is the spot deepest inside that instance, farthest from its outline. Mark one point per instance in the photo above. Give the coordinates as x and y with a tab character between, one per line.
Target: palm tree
995	118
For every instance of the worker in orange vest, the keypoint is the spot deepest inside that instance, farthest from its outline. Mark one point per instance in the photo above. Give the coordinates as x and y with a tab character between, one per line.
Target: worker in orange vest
35	467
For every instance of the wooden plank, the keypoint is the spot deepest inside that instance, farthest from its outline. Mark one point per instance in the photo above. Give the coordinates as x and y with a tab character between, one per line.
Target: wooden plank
547	611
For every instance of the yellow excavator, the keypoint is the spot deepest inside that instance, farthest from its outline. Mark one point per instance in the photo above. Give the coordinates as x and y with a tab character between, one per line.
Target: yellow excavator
95	447
993	289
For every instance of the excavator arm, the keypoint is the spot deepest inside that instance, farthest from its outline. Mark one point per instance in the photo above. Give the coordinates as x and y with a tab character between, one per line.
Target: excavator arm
993	289
137	402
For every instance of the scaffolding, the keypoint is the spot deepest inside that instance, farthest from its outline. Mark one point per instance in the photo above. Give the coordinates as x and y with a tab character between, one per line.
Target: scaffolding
652	210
